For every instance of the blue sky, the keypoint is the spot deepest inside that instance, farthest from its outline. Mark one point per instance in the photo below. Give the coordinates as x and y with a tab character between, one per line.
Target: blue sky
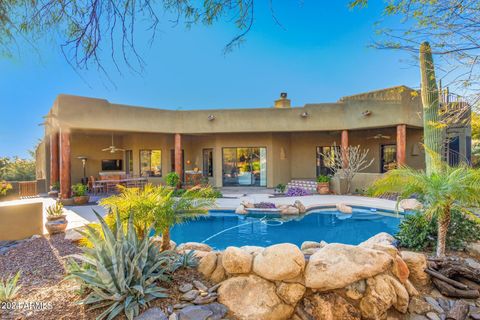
321	55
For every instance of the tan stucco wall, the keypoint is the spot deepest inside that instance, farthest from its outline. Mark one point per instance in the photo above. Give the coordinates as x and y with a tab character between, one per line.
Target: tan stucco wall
20	221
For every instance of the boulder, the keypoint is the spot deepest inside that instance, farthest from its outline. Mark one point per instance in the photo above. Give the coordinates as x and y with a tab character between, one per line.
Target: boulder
400	269
380	238
207	264
251	297
152	314
290	210
194	313
218	275
343	208
290	293
356	290
241	210
299	205
194	246
329	306
383	292
418	305
253	250
417	263
279	262
472	248
236	260
313	245
410	204
412	292
338	265
73	235
247	204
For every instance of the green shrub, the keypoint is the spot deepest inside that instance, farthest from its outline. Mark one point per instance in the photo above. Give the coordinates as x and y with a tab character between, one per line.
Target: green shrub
419	233
172	179
323	179
9	287
55	210
55	186
4	188
179	192
121	271
79	190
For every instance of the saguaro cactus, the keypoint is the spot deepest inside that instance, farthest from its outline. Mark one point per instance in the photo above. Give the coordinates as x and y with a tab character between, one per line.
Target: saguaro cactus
432	129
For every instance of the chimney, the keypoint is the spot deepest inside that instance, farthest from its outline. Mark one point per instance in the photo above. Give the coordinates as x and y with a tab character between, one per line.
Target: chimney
283	102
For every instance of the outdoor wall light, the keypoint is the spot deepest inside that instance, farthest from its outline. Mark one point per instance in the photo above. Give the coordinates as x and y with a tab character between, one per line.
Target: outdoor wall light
366	113
304	114
211	117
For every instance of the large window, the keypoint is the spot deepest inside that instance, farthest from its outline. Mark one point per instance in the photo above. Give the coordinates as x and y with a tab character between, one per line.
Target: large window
245	167
151	163
388	157
326	159
207	162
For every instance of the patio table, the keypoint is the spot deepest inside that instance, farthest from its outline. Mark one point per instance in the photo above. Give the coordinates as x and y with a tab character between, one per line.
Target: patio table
132	182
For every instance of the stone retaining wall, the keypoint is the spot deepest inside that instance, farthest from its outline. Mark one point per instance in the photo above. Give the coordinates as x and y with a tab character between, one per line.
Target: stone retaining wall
317	281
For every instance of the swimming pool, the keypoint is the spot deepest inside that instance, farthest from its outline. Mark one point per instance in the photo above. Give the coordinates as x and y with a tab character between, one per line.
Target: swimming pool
223	229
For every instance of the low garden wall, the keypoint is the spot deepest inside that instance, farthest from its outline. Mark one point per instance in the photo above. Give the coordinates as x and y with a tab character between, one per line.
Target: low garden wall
20	221
317	281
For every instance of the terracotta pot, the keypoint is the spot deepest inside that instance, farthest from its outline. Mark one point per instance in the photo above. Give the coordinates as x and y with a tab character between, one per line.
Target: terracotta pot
81	200
323	187
56	224
67	202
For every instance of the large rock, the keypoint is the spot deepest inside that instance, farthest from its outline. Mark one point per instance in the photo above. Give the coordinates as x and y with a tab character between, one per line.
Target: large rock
400	269
291	293
218	275
343	208
152	314
236	260
212	311
417	263
253	250
329	306
472	248
241	209
356	290
251	297
313	245
194	246
290	210
410	204
382	238
207	264
383	292
279	262
299	205
338	265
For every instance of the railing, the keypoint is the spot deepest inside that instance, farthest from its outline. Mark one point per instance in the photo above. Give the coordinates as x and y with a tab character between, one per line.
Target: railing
27	188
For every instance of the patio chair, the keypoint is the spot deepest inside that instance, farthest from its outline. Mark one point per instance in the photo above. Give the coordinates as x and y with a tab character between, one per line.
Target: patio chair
94	186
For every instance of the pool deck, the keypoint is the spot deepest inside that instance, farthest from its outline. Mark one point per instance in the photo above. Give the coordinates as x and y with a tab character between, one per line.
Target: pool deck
78	216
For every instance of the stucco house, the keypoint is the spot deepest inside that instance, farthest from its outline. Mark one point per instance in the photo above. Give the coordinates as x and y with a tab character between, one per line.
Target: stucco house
232	147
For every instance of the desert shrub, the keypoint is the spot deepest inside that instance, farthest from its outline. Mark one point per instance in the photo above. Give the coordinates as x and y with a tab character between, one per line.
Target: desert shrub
9	287
4	188
172	179
121	271
419	233
55	210
297	192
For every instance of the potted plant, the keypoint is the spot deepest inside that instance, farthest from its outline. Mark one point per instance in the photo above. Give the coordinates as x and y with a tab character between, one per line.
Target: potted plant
323	184
280	188
80	196
56	220
54	189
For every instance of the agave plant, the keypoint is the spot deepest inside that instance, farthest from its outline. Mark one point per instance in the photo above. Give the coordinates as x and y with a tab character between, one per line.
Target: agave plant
121	270
186	260
9	287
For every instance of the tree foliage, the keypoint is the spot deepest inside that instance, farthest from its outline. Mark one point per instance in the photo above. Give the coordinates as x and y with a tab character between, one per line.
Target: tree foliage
17	169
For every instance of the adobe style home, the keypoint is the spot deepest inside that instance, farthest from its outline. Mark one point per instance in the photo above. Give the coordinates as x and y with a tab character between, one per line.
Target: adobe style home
87	137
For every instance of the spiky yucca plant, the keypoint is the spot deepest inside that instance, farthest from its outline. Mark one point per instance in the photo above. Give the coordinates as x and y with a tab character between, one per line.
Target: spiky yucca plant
121	270
9	287
441	191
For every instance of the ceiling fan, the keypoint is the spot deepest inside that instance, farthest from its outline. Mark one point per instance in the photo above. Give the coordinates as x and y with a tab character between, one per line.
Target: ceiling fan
112	148
379	136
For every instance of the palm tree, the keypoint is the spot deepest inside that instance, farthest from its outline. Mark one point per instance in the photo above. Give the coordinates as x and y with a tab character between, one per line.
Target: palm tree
449	188
158	207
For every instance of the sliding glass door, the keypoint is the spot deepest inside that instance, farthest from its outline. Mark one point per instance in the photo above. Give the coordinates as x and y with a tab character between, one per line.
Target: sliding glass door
244	166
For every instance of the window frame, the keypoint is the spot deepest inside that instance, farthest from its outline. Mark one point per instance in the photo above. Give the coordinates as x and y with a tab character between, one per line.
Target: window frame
150	163
207	173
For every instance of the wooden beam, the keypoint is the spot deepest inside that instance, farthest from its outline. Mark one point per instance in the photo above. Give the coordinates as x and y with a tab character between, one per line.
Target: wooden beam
65	165
401	145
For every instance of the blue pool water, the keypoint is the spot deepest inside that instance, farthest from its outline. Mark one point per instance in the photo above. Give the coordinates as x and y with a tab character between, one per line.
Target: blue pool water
223	229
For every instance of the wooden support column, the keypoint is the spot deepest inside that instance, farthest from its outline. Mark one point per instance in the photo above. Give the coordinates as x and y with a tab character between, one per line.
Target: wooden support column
178	156
65	165
344	148
54	158
401	144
